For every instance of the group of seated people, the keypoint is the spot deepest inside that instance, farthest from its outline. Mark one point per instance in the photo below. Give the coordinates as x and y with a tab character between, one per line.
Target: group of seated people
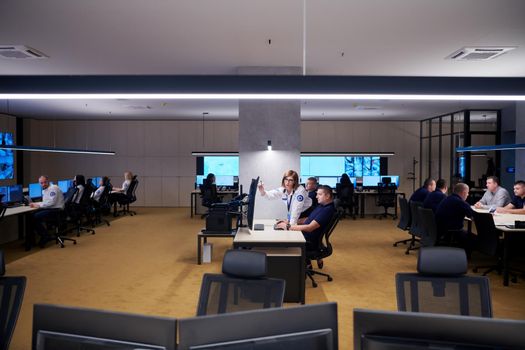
450	211
80	196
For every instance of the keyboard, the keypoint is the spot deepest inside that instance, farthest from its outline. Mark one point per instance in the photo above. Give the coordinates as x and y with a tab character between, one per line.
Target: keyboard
277	228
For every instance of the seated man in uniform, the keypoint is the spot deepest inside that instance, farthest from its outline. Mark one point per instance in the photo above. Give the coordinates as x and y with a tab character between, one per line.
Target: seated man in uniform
450	216
421	193
52	202
434	198
495	196
311	187
314	225
516	205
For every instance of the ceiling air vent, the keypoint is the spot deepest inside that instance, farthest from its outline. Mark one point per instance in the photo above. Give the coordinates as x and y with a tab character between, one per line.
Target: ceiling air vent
16	52
479	53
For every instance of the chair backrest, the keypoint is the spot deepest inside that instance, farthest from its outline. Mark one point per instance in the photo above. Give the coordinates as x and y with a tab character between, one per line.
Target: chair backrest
427	222
11	295
208	194
386	195
325	249
345	193
440	285
415	227
134	184
404	219
242	286
487	235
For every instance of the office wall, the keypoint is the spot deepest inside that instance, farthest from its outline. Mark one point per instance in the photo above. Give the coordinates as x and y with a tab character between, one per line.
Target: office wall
160	151
520	138
508	136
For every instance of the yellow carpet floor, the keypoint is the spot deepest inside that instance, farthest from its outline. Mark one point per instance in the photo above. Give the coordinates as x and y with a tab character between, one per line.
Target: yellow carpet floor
147	264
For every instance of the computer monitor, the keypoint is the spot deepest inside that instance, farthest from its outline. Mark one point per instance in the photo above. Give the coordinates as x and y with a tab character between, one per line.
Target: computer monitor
35	190
371	181
16	193
224	180
63	341
4	197
321	339
251	202
199	179
272	322
64	185
354	180
328	180
390	330
124	327
95	181
394	179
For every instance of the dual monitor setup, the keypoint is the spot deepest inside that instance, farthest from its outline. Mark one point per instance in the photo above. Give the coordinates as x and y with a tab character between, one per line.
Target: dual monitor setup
308	327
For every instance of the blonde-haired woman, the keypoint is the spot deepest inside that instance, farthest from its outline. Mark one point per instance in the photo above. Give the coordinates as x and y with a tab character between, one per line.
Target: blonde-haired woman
120	192
292	194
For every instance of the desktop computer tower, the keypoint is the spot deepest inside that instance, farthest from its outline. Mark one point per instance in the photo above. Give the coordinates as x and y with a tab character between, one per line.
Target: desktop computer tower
219	220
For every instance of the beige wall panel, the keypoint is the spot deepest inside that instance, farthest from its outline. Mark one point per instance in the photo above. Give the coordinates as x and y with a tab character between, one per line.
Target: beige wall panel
169	136
169	166
152	191
118	137
170	191
152	133
136	138
190	137
186	166
309	136
136	165
186	185
153	166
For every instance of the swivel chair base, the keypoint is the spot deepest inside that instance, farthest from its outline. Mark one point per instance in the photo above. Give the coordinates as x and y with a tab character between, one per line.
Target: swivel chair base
311	272
60	240
412	245
499	269
404	241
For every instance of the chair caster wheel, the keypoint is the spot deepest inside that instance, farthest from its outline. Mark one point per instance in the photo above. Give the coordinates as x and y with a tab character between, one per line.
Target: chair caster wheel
407	252
61	246
395	244
314	285
330	279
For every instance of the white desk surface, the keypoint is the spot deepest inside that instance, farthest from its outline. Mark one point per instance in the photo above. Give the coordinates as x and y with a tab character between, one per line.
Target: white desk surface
500	220
19	210
268	235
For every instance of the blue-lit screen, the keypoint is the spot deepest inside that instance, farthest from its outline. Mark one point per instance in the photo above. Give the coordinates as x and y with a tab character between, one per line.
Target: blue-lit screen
362	166
221	165
7	160
35	190
322	166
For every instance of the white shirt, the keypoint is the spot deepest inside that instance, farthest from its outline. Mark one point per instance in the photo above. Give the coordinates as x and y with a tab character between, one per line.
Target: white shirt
98	193
52	198
125	186
78	194
296	202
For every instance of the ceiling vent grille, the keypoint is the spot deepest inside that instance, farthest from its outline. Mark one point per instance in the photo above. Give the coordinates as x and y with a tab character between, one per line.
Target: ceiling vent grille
20	52
479	53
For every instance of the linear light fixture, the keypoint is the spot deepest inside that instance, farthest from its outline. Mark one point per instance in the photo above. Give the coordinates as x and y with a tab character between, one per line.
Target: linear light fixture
55	150
258	96
507	147
203	154
349	154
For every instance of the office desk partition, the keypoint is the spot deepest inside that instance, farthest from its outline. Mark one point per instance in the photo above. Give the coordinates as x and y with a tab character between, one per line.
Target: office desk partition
270	238
196	193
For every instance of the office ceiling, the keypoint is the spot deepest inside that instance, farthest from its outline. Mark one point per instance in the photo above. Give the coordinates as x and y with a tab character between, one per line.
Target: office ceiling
343	37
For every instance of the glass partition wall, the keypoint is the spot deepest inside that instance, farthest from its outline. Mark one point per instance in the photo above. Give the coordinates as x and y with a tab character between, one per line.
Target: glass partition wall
441	135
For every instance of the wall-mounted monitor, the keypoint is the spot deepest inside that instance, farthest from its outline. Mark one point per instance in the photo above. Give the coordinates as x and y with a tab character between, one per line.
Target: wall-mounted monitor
371	181
64	185
7	159
363	166
199	179
354	180
218	165
394	179
224	180
328	180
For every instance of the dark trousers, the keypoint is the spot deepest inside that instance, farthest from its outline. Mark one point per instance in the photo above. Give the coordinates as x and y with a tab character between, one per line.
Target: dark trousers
41	218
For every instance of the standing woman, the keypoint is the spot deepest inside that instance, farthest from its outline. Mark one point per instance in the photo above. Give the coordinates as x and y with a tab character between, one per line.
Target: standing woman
293	195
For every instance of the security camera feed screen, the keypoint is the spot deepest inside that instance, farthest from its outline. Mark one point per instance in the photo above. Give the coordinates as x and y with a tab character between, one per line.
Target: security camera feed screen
221	165
6	157
362	166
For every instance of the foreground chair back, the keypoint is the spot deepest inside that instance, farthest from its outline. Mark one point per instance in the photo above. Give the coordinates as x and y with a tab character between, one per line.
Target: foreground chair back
440	285
243	285
11	295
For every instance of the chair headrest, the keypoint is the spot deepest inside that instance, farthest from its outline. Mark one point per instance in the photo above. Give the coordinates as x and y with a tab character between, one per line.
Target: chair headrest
244	263
442	261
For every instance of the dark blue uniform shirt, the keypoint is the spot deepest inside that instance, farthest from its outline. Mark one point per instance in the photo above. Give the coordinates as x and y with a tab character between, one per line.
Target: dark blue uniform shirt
420	195
451	213
433	199
322	214
517	202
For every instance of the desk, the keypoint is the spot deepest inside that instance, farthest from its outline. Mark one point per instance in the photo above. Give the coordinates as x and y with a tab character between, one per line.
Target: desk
501	220
361	198
269	237
204	237
195	193
22	224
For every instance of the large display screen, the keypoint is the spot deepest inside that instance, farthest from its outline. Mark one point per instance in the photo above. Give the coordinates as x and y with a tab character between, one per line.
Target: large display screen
7	161
221	165
337	165
362	166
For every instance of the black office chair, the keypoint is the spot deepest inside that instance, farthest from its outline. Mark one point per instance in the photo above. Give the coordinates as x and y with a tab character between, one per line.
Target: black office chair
209	197
404	220
242	286
415	226
11	296
76	212
429	230
488	242
345	199
323	250
129	198
386	198
103	205
440	285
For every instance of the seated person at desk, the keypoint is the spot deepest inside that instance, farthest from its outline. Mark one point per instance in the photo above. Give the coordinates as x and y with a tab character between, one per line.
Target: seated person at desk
119	192
313	226
450	216
495	196
52	201
516	206
311	187
291	193
421	193
434	198
101	187
209	191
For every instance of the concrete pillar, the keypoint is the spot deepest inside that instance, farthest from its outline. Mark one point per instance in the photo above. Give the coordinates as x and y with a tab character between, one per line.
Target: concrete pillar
259	122
520	138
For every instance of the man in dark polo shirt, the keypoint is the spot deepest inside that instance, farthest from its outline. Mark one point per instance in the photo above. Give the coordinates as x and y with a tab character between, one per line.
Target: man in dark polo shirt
421	193
434	198
313	226
516	205
450	215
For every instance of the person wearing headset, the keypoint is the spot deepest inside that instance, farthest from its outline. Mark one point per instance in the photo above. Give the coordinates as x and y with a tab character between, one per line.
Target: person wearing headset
293	195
